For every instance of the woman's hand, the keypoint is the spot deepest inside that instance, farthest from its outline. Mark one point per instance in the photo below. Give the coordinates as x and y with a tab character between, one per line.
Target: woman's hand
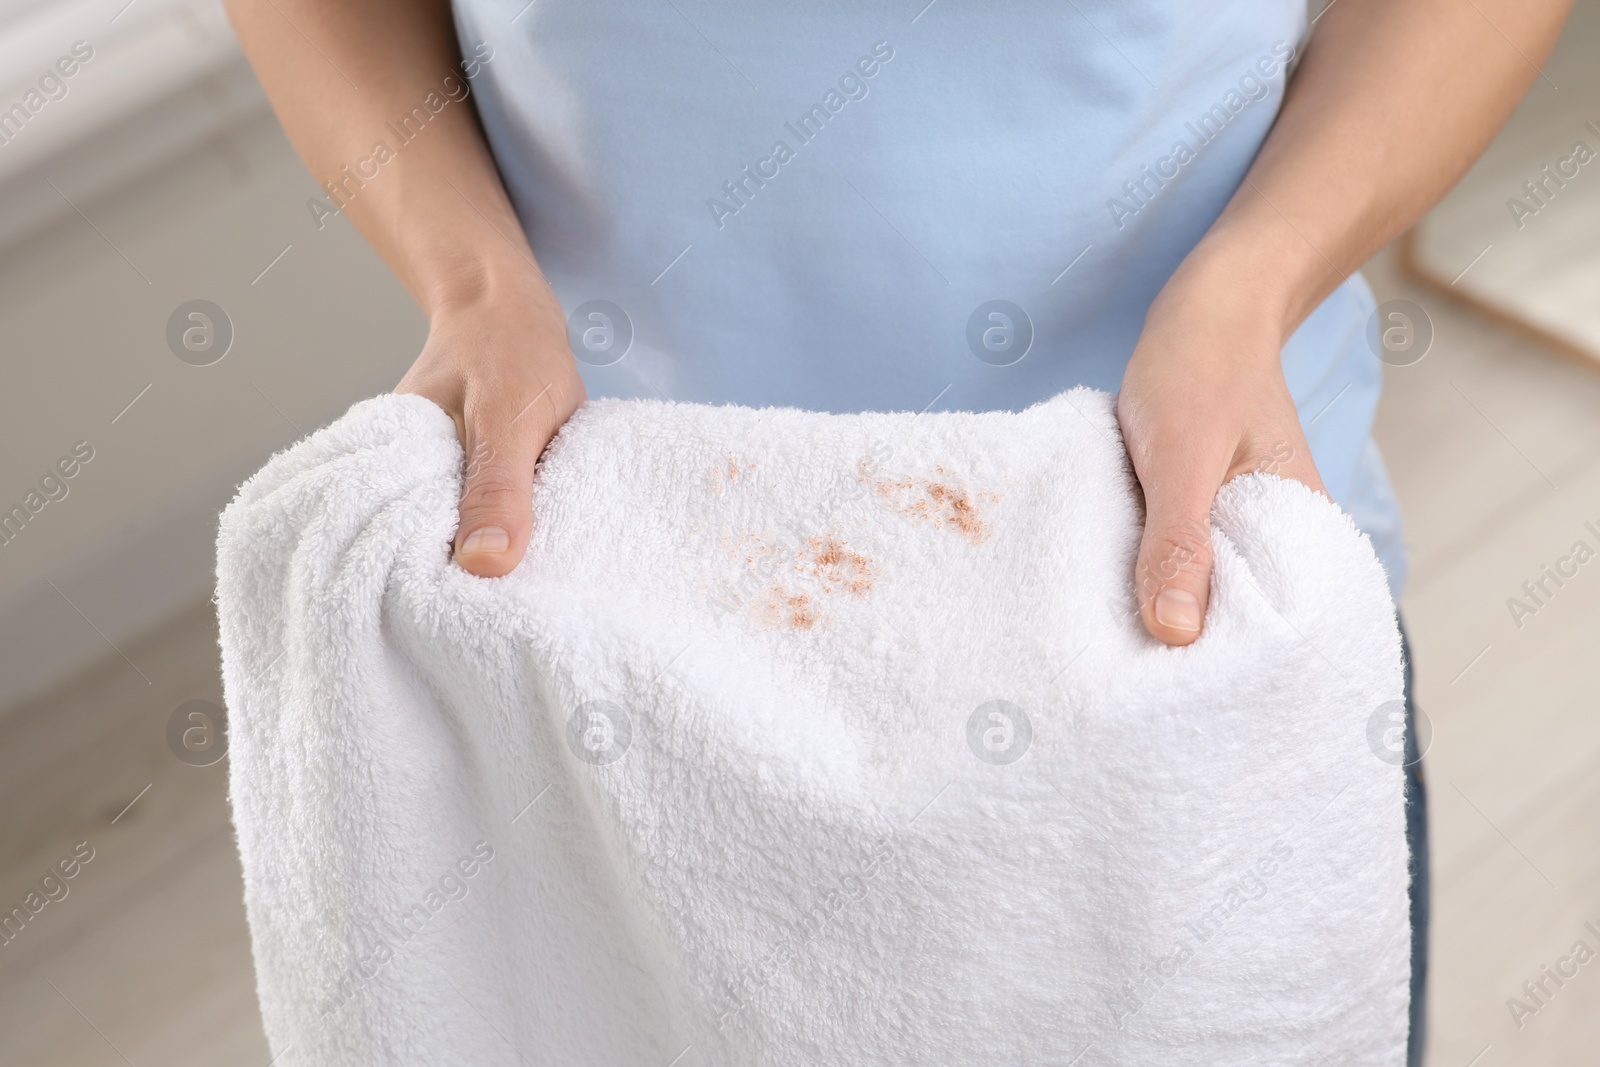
496	357
500	364
1392	101
1203	399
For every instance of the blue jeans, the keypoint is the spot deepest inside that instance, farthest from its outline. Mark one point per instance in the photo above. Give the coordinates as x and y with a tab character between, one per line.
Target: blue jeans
1417	841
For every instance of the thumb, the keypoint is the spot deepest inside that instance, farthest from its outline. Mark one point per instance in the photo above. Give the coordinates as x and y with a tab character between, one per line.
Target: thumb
1173	574
503	436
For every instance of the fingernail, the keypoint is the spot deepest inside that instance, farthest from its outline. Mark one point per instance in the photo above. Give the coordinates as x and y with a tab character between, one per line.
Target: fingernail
486	539
1178	609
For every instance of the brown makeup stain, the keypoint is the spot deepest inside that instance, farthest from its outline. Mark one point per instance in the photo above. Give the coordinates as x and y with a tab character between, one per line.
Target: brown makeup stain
736	470
839	567
937	500
789	588
791	610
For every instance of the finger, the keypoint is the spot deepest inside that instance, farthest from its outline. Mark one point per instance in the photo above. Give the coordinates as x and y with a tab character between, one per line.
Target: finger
503	436
1287	456
1172	576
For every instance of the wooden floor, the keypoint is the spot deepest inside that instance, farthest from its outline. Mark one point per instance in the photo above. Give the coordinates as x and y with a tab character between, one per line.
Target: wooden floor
1492	442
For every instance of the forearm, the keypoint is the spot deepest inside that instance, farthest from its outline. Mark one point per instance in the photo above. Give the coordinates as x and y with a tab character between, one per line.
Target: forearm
342	75
1392	101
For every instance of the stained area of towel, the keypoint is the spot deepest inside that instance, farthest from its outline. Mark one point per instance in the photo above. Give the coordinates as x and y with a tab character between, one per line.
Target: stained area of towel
793	582
834	569
801	573
836	563
938	502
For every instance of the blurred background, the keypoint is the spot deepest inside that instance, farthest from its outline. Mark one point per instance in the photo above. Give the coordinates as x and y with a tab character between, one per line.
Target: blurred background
153	185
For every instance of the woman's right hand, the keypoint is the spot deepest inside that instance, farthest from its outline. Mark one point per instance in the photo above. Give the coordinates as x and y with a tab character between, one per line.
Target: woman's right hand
500	364
496	357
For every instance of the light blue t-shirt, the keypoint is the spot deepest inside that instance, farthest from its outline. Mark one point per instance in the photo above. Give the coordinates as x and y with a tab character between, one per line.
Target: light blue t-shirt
845	205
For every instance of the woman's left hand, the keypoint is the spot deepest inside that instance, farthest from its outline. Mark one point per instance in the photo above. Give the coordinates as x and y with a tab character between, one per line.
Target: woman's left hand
1203	399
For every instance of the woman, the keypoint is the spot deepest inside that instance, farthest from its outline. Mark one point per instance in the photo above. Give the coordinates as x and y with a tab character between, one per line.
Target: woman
858	206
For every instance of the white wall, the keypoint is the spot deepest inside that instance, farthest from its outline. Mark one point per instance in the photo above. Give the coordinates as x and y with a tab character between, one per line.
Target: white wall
84	303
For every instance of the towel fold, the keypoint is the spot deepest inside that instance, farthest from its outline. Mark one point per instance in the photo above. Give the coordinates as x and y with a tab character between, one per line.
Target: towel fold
806	738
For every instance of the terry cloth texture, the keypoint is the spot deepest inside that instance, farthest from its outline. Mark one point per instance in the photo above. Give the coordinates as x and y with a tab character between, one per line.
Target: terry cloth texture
805	738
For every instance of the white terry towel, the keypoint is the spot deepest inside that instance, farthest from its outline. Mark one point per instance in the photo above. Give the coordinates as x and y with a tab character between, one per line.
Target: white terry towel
806	739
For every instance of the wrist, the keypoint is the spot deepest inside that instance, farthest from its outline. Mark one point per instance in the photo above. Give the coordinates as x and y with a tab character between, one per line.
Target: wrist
1269	274
469	282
